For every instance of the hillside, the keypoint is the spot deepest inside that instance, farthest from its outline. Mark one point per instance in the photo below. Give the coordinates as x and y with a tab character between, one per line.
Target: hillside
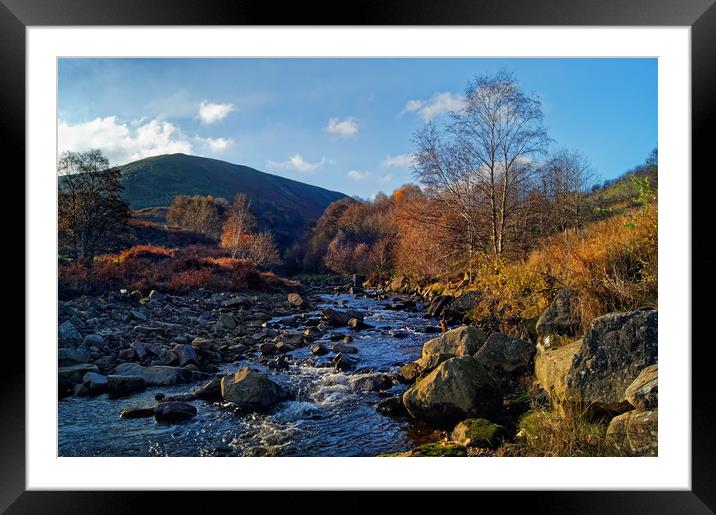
281	205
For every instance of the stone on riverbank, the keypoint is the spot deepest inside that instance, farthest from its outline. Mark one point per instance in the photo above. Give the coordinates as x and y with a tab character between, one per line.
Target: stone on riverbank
643	393
616	348
391	407
551	368
72	356
95	383
478	432
562	316
458	389
160	375
75	373
410	372
118	385
462	341
635	433
505	357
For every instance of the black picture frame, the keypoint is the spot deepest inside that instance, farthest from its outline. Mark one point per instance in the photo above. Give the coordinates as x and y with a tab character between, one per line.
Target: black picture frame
700	15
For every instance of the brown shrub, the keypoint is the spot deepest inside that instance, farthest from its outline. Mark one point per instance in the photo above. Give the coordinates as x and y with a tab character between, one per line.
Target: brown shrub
612	263
147	267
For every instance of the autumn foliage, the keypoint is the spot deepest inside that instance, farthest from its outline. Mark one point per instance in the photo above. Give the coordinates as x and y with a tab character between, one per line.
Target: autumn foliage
147	267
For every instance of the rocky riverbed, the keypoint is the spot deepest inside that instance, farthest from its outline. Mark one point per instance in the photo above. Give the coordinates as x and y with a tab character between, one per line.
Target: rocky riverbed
344	372
329	359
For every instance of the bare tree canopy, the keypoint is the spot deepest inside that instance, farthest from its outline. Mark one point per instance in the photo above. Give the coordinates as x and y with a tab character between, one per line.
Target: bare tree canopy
91	212
483	160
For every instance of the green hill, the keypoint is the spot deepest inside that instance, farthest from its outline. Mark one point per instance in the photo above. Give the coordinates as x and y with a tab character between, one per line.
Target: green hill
281	205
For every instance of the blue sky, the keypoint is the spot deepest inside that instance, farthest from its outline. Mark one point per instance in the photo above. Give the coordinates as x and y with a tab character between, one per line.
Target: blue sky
343	124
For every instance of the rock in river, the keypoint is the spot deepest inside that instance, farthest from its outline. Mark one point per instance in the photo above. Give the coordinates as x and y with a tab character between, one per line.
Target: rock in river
249	388
371	382
174	411
318	349
345	348
459	388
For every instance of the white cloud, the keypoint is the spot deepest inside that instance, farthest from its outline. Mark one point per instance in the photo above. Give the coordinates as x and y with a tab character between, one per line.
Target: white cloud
215	145
345	128
122	142
386	179
438	104
296	162
357	175
399	161
210	113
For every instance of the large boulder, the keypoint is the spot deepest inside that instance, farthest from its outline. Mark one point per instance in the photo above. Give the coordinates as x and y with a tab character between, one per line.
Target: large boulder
174	411
160	375
635	433
616	348
462	341
562	317
340	318
551	368
438	305
459	388
249	388
643	393
462	306
505	357
426	364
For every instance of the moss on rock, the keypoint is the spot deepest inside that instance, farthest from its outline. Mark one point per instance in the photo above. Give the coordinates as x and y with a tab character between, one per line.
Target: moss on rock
479	432
440	450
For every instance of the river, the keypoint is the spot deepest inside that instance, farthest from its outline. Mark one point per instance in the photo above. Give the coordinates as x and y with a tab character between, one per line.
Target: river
328	418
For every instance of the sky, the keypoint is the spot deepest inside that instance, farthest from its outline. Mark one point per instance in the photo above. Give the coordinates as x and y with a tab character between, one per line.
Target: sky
342	124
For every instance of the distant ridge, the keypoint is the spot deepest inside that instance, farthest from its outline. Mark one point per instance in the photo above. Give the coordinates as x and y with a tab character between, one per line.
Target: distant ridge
281	205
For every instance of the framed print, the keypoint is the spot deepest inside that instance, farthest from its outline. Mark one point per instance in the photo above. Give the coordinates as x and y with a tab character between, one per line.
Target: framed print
424	247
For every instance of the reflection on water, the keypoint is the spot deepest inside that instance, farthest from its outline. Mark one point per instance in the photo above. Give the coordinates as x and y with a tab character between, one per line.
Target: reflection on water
328	418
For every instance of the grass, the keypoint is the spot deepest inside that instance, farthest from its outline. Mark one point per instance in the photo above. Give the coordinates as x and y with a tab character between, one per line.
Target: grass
612	263
544	433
